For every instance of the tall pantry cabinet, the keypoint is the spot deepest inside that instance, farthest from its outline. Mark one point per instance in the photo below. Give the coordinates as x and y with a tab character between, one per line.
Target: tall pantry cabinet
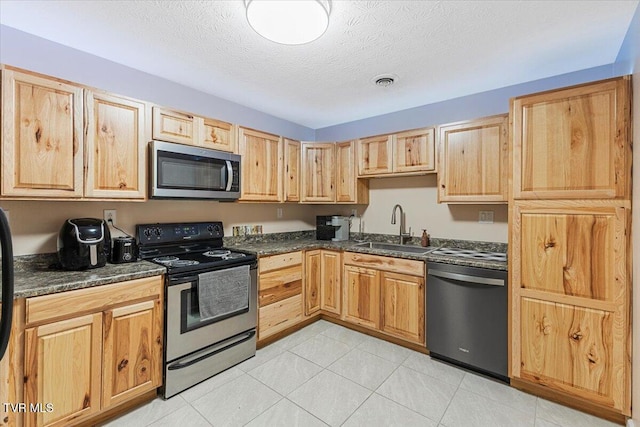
569	234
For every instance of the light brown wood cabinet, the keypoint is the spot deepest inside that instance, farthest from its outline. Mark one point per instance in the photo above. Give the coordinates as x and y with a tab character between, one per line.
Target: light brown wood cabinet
291	170
323	281
573	143
386	294
42	146
46	154
415	151
279	293
262	164
571	299
115	142
349	189
473	161
186	128
86	352
318	172
362	296
403	310
406	153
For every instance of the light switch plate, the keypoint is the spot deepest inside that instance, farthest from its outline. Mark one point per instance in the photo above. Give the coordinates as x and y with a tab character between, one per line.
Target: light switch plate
485	217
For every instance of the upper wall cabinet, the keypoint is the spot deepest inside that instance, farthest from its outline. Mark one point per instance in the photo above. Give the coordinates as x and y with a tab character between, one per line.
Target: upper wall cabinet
473	159
573	143
349	189
318	177
406	153
375	155
116	138
415	151
261	166
185	128
42	150
291	170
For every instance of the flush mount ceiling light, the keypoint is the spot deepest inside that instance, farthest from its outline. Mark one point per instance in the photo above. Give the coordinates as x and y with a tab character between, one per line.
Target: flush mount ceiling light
289	21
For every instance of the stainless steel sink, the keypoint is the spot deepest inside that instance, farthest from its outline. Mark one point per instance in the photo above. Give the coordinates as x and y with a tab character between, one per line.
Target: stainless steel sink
392	247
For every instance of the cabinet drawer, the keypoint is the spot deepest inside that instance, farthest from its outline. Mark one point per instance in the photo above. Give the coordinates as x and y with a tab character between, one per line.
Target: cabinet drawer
279	316
71	303
395	265
275	262
279	285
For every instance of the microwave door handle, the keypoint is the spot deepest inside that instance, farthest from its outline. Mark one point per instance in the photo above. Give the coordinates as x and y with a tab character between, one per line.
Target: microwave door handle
229	175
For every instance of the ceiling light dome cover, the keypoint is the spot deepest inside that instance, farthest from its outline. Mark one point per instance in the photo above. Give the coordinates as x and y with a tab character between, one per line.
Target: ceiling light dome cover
289	22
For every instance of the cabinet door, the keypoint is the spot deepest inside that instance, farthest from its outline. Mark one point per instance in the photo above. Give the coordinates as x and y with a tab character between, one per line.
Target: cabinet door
573	143
375	155
291	170
362	296
42	150
331	282
313	281
415	151
63	369
570	298
349	189
403	300
473	161
318	172
217	135
262	160
116	138
174	126
132	354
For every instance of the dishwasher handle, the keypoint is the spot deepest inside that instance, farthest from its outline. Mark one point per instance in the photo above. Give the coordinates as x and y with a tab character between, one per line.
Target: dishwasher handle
466	278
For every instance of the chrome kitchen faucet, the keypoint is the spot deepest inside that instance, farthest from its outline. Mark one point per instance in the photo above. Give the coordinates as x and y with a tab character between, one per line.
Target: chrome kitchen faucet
403	235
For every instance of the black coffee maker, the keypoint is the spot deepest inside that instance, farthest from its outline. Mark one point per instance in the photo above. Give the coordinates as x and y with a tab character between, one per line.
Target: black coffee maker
84	243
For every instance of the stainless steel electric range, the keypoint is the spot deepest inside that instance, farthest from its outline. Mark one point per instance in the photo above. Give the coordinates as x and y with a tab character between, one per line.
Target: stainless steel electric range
210	300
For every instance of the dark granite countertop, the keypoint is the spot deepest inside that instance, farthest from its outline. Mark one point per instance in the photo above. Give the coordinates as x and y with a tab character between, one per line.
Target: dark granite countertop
34	277
289	242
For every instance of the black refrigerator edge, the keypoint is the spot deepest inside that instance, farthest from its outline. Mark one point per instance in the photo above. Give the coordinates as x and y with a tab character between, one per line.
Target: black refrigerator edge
7	283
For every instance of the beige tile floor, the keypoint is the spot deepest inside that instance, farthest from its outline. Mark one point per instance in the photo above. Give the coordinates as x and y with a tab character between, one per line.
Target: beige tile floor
325	375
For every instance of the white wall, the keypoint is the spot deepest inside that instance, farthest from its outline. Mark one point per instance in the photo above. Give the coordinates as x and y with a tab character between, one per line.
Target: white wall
418	197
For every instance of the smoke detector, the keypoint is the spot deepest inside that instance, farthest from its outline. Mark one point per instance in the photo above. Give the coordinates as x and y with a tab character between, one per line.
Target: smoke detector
384	80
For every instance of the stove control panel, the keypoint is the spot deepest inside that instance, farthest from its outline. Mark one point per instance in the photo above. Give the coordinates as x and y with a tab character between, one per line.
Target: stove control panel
178	232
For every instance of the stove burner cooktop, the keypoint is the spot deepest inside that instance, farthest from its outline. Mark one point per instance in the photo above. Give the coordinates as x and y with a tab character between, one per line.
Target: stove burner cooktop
221	253
470	253
172	261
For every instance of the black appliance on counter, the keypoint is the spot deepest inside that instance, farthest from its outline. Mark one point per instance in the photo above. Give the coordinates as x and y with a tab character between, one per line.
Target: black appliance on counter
84	243
124	250
324	229
211	296
7	283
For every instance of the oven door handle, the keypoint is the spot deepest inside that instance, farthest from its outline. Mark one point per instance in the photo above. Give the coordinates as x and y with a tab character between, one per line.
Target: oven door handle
211	351
467	278
184	279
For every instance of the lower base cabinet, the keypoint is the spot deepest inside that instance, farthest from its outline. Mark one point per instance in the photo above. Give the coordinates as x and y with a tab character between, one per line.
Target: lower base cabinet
77	366
323	286
385	294
279	293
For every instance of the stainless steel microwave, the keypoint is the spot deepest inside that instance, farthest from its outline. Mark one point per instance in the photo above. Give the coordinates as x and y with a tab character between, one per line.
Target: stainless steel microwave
189	172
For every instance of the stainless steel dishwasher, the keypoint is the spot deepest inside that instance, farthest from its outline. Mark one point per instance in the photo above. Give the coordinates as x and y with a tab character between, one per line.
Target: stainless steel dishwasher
467	317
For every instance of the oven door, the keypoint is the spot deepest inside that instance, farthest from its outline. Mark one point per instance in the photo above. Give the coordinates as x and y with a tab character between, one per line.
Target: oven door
182	171
187	332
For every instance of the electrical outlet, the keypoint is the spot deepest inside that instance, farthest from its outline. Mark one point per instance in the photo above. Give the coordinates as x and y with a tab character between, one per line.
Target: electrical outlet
485	217
110	214
279	213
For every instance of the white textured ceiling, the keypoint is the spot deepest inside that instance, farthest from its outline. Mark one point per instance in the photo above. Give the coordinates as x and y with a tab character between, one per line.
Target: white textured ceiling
438	49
